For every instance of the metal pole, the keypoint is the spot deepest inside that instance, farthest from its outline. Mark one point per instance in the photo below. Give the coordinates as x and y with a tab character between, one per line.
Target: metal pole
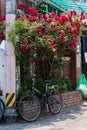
47	9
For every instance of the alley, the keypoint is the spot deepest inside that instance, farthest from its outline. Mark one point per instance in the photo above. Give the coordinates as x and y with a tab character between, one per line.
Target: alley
73	118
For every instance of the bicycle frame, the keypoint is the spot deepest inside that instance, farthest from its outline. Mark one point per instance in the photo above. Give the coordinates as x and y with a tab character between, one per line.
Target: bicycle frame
33	88
43	96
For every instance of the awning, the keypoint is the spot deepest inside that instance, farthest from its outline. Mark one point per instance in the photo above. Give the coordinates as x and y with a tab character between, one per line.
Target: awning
64	5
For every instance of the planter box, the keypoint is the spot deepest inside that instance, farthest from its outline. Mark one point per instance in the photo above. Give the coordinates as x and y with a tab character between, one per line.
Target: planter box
71	99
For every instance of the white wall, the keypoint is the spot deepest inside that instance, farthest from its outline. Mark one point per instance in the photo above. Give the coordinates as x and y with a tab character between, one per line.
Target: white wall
2	73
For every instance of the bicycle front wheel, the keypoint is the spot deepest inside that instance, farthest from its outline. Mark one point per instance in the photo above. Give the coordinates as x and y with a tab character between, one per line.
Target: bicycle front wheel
29	108
55	101
2	108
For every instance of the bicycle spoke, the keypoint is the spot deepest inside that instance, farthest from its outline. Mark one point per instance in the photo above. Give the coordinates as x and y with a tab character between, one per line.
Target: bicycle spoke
29	108
55	102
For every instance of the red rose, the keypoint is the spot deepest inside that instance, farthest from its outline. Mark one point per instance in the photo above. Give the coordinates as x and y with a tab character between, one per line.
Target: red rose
74	31
69	16
72	23
50	31
39	30
64	41
2	36
28	37
25	47
60	38
52	14
68	27
35	48
25	41
57	18
64	18
71	45
73	12
45	37
62	33
74	40
45	17
3	18
58	28
48	53
31	11
82	15
52	40
21	6
52	25
34	59
48	20
55	47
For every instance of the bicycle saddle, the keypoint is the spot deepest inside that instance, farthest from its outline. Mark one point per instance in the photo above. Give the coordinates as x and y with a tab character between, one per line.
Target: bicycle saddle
47	81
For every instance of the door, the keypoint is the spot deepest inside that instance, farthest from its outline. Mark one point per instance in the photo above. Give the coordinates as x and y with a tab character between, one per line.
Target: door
84	54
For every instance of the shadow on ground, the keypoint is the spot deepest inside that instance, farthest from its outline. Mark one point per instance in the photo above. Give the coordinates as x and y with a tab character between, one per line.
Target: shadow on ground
47	119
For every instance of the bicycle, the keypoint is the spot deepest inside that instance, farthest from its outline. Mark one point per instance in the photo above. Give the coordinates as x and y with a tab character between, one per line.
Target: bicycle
30	105
2	108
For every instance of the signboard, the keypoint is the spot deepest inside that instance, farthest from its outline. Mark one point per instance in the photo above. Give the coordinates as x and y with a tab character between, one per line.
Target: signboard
85	54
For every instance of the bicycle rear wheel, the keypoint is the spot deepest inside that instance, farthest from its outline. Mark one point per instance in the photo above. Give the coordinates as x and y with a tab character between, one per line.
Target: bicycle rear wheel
29	108
2	108
55	101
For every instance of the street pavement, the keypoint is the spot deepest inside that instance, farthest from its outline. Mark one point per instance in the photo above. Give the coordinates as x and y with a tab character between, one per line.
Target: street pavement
73	118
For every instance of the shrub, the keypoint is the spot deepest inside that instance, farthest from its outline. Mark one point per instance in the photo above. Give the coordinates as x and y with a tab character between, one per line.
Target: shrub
63	83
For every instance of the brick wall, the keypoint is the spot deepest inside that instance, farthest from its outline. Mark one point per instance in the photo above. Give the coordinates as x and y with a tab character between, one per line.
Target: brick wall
70	69
2	8
73	69
71	99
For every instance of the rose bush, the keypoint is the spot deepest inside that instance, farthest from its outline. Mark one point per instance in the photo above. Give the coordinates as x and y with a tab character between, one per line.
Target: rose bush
2	28
38	35
46	34
42	40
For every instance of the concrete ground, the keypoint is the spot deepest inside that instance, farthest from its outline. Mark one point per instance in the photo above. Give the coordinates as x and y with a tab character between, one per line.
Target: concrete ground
73	118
